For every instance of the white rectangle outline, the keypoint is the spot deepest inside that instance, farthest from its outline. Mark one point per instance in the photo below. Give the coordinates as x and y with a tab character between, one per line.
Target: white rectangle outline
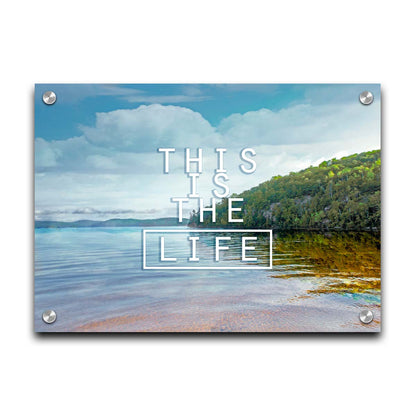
208	267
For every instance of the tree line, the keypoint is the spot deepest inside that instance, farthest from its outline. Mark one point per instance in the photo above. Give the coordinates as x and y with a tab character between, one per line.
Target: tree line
338	194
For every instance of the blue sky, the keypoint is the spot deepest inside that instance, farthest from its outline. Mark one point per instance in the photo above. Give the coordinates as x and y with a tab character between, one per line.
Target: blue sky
79	103
92	145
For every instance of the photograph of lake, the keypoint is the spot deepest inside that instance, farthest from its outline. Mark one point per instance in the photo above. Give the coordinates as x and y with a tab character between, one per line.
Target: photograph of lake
93	276
199	208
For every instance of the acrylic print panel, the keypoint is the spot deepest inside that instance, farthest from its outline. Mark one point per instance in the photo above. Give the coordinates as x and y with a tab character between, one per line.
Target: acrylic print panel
207	208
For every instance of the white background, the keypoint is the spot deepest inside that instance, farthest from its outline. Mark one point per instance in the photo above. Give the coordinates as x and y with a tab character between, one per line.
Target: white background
215	41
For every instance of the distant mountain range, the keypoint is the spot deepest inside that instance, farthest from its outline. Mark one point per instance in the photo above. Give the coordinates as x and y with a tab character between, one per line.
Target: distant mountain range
115	222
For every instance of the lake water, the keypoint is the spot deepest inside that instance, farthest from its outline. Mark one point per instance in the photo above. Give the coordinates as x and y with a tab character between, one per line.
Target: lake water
93	279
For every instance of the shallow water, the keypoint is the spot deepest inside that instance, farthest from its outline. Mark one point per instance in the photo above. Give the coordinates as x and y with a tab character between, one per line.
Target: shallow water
93	279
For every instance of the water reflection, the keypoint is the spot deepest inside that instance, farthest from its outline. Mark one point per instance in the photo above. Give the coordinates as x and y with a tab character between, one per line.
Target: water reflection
343	262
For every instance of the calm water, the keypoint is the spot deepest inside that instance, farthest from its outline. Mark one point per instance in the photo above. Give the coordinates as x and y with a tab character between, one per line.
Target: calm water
93	278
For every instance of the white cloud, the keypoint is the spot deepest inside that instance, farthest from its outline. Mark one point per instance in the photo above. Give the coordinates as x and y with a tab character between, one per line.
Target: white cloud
148	127
101	162
46	154
301	124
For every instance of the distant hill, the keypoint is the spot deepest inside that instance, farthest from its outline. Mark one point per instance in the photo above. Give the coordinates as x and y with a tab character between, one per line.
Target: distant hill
116	222
338	194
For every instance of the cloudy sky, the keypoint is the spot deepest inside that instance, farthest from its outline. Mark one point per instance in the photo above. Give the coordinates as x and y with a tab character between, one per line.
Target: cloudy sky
96	147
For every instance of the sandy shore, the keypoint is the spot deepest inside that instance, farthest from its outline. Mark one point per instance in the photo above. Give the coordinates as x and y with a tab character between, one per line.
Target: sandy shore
283	319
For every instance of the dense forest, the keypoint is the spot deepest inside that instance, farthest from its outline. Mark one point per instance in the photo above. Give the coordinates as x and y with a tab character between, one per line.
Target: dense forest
339	194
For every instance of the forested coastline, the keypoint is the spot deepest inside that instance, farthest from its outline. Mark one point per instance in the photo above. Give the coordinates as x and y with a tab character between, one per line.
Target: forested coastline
339	194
